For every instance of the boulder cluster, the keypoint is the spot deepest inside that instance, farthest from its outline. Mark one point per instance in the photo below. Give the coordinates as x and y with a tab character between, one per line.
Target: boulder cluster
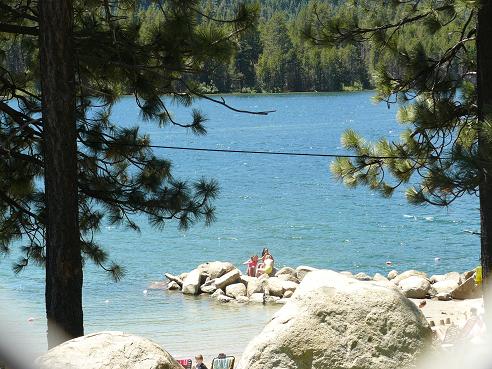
444	287
337	321
224	282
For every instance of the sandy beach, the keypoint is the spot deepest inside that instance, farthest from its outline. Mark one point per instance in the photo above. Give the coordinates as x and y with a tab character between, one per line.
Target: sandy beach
441	313
446	312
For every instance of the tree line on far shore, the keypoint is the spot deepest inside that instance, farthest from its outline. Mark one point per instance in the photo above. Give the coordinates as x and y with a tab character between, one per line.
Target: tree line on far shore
274	56
65	64
278	55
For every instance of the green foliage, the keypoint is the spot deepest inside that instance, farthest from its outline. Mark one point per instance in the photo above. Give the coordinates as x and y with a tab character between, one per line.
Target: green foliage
275	57
149	52
422	55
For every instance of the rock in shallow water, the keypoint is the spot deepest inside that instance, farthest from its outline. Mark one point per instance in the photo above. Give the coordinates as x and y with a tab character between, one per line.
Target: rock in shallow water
173	278
277	287
257	298
229	278
235	290
216	269
208	287
173	286
192	282
255	285
158	285
337	322
224	298
108	350
242	299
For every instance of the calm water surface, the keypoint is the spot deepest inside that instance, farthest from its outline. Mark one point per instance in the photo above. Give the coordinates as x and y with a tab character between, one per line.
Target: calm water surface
292	205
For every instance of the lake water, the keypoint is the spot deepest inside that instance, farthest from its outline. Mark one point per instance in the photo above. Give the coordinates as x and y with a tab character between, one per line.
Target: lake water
292	205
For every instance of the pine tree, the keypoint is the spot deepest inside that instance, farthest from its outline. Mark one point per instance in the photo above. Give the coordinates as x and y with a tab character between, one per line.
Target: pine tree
431	57
76	59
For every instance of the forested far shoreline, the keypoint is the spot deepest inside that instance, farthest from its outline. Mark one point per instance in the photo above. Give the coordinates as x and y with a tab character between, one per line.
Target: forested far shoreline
275	53
275	56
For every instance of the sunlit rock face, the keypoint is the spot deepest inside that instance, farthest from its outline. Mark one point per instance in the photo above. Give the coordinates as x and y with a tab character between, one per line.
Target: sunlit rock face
333	321
108	350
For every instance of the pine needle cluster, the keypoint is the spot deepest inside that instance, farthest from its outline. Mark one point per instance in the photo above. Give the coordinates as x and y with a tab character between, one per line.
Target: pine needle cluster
423	57
149	50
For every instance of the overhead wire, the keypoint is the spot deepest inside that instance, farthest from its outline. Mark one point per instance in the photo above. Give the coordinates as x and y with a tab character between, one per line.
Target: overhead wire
260	152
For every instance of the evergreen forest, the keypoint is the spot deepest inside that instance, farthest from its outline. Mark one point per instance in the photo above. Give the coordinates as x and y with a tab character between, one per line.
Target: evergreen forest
275	54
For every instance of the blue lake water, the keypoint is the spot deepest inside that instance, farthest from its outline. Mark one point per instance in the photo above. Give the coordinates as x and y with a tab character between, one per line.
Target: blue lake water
292	205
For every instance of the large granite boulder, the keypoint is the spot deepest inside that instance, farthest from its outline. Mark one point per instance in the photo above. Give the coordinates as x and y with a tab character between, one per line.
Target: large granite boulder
445	286
333	321
415	287
217	293
467	290
215	269
108	350
407	274
229	278
452	276
192	282
235	290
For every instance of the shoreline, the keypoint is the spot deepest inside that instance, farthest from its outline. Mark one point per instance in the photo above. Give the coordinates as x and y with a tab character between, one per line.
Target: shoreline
434	310
440	314
226	282
446	300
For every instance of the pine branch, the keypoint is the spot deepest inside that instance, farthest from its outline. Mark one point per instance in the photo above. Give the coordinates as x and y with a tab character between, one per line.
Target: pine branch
18	30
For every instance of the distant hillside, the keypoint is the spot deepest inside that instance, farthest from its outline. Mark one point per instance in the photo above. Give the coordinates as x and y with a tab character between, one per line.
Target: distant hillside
274	57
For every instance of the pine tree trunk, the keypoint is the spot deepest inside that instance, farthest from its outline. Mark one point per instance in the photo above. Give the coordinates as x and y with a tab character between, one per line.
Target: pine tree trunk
484	89
63	254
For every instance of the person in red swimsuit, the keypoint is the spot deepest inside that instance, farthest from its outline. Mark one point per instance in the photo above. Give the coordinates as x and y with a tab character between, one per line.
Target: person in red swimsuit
251	263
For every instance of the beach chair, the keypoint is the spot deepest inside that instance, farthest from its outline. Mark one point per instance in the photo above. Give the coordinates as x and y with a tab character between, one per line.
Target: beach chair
474	328
185	363
223	362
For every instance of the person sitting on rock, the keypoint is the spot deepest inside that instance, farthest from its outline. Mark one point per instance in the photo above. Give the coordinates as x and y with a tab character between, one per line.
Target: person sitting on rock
266	267
252	264
264	253
199	362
